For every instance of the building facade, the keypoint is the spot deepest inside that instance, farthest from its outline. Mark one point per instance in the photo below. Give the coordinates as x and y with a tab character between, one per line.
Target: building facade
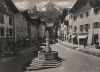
42	29
7	11
84	22
21	30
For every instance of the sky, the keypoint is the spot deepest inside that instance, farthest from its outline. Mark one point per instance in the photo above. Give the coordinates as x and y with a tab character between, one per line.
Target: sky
26	4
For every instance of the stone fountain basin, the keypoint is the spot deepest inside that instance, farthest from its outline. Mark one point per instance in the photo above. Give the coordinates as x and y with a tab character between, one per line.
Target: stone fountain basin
52	55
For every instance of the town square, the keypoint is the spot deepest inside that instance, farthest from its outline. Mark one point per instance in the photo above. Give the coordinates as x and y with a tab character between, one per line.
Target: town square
49	35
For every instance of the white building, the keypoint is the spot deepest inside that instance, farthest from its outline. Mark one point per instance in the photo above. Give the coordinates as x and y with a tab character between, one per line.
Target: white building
7	11
85	21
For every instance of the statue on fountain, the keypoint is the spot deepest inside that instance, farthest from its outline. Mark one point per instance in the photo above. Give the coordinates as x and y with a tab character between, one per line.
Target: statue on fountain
47	48
47	54
45	59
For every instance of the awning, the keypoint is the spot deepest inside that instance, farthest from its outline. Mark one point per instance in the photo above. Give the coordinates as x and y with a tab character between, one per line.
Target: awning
27	39
82	36
73	36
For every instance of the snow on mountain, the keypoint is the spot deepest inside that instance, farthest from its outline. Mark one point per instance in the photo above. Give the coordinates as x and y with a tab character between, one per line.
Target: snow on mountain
49	6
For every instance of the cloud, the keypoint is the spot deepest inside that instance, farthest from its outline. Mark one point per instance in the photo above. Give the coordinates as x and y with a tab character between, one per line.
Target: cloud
41	4
64	4
26	4
61	4
22	5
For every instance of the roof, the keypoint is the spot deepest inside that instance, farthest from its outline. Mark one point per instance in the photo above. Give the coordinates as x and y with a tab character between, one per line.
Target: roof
11	6
26	15
78	5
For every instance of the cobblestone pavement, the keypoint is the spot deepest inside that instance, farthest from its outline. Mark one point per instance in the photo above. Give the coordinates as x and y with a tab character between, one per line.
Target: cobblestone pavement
75	61
16	64
59	69
89	49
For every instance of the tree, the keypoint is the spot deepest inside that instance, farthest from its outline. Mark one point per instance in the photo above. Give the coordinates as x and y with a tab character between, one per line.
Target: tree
64	13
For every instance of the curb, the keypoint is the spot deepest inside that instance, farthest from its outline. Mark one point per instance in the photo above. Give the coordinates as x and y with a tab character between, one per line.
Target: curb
82	50
90	52
71	47
2	60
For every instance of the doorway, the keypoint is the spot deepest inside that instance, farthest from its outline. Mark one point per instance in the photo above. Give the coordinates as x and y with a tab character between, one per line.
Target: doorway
95	38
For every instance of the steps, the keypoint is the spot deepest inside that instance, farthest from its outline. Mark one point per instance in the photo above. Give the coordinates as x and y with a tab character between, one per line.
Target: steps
40	64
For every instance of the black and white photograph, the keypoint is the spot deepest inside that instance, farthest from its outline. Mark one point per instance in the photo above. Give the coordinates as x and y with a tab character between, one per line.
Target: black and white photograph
49	35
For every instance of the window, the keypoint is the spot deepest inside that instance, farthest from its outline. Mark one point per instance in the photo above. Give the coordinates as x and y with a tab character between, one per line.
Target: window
2	31
81	15
87	26
1	18
97	25
96	10
21	29
87	14
75	28
1	5
10	32
18	36
10	20
75	18
71	16
71	26
81	28
84	4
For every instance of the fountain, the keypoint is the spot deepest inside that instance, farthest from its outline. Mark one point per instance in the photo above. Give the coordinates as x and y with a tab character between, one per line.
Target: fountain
46	58
48	54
